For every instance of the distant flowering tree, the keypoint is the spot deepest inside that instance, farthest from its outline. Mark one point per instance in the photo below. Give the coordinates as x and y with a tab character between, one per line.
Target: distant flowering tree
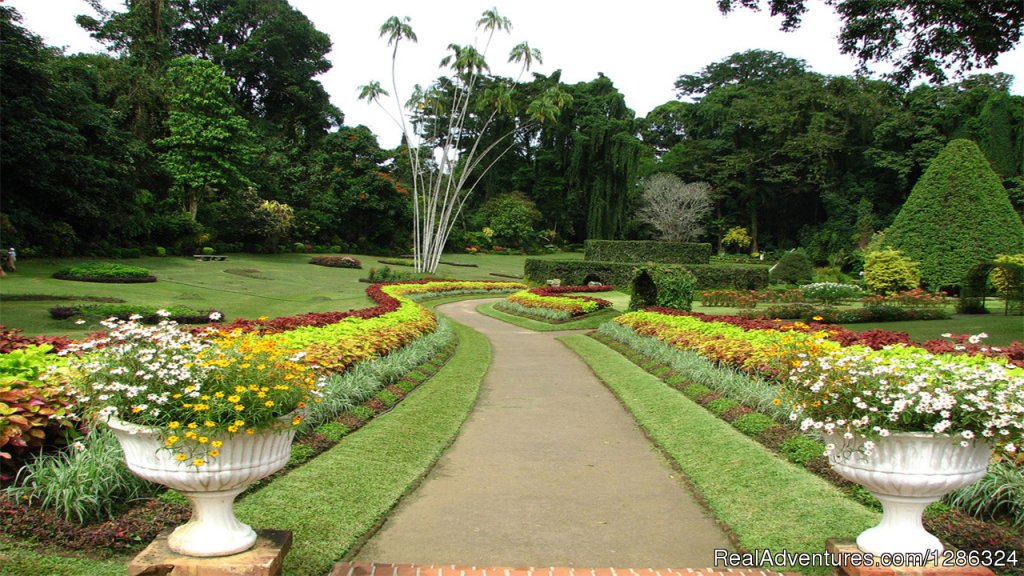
675	208
444	128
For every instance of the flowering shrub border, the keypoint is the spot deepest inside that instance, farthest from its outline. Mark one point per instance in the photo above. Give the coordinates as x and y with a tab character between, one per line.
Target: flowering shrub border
953	526
556	299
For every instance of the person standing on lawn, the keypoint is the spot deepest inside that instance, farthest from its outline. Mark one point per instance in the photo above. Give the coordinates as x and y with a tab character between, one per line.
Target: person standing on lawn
12	258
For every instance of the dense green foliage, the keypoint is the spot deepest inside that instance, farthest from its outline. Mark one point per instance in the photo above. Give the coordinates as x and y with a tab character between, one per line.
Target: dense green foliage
889	271
660	285
621	273
648	251
957	216
793	268
102	270
796	158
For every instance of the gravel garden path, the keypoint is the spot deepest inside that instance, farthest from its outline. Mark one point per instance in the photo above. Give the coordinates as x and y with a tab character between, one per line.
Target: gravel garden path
548	470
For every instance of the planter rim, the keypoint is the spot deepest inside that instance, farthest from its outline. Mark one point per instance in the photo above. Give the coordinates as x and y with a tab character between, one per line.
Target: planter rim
131	428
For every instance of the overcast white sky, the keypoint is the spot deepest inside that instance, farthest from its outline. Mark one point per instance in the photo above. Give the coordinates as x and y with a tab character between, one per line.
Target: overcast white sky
641	45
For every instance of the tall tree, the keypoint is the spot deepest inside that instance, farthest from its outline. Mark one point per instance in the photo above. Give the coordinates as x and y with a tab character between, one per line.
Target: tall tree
676	209
210	145
920	37
957	216
447	153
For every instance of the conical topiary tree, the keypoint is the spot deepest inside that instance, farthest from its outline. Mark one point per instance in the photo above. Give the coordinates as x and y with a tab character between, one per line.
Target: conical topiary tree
957	215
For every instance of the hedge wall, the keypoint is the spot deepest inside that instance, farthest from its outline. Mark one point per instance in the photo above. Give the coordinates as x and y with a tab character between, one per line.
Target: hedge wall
647	251
620	274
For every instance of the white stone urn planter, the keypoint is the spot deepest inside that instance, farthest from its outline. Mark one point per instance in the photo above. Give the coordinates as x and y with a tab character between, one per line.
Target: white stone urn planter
907	471
213	529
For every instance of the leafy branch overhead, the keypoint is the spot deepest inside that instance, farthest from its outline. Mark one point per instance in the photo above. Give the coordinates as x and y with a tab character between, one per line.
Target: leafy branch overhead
919	37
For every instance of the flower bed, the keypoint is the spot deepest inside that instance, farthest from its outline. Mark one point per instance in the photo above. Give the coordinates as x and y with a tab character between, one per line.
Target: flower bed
748	298
747	404
858	388
149	314
553	302
336	261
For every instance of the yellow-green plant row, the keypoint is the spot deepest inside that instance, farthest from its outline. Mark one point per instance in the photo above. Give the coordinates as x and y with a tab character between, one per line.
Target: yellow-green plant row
550	298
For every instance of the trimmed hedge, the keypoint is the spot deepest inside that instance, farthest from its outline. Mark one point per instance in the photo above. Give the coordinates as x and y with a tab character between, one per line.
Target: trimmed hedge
647	251
579	272
105	272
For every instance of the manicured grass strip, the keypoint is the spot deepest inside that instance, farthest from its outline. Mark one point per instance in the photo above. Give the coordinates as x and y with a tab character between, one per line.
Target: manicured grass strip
332	502
769	503
17	560
588	323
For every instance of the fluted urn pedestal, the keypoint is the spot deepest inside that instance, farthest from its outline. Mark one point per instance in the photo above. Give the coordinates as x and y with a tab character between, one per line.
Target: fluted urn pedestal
907	471
213	529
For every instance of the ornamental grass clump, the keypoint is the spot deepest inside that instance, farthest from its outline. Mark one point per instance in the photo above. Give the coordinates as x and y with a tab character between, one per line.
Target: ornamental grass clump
197	389
856	391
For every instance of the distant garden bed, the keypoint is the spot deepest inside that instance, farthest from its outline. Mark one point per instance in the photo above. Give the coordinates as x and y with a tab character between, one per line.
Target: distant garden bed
149	314
108	272
336	261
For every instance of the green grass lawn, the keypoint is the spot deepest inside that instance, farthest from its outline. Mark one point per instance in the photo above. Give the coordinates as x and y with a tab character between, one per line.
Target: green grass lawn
245	285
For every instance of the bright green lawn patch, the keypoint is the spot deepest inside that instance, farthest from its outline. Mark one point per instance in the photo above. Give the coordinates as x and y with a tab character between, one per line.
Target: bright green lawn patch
335	500
769	503
17	560
244	286
590	322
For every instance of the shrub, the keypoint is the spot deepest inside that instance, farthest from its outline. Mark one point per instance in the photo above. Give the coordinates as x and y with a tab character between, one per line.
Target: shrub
636	251
511	218
738	238
336	261
800	449
1008	280
207	251
88	481
179	314
831	292
32	410
621	273
386	274
889	271
660	285
753	424
104	272
161	251
793	268
957	216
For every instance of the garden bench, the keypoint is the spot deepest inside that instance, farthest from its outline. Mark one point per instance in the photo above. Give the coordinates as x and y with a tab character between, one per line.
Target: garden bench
207	257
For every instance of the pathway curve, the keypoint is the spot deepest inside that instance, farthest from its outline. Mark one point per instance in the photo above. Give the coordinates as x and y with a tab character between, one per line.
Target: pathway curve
548	470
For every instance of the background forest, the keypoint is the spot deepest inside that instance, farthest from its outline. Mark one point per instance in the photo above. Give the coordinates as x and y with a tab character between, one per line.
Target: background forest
205	126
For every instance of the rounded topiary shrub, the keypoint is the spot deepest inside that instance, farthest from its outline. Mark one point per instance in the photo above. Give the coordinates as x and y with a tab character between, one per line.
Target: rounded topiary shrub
336	261
889	271
105	272
793	268
957	216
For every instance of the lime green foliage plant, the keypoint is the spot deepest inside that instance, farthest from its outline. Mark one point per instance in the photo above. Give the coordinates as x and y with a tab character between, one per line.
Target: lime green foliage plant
1006	279
737	238
889	272
957	216
32	408
673	287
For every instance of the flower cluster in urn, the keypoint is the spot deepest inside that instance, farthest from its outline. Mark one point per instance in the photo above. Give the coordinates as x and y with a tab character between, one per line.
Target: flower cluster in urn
196	387
874	393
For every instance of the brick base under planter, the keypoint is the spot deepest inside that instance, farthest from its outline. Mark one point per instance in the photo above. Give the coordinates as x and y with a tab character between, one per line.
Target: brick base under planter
263	559
848	548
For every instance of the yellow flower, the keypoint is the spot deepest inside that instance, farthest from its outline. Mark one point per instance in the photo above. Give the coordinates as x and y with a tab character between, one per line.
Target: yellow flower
216	443
817	318
250	431
214	453
171	440
209	423
181	457
234	399
239	389
232	429
174	425
777	402
268	403
239	423
191	435
136	409
239	407
193	425
198	462
203	439
219	395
